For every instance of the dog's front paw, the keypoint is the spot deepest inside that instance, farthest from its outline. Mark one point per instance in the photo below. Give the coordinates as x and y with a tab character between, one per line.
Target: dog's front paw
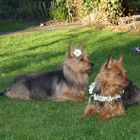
82	117
104	117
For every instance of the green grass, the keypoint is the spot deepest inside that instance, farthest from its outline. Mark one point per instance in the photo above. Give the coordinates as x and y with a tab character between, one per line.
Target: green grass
46	120
14	26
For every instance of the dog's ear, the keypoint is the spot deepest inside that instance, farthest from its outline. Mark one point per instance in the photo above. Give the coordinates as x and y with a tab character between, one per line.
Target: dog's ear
70	51
120	59
109	62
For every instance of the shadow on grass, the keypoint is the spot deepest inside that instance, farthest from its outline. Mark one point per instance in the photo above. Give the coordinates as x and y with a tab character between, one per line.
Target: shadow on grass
62	119
26	60
131	62
10	27
46	45
98	48
32	48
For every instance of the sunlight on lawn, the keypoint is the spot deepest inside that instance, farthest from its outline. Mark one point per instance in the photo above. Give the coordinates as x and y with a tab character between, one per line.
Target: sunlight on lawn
42	51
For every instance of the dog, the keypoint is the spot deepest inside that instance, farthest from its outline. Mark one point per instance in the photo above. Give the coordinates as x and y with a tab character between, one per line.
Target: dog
69	82
106	96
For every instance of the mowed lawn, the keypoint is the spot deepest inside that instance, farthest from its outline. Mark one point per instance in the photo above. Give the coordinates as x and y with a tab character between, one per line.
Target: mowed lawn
23	53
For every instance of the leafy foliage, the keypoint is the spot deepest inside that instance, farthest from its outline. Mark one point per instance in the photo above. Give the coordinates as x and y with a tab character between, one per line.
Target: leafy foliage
71	10
112	9
74	8
58	10
25	9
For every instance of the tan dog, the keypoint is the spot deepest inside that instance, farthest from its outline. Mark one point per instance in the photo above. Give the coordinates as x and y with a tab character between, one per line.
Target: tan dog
110	82
69	82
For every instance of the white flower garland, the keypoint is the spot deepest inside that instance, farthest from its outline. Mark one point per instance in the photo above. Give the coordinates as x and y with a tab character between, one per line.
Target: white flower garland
77	52
91	87
101	98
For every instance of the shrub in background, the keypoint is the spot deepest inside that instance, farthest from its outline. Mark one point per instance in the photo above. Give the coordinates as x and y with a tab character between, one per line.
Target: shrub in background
104	11
112	8
74	8
25	9
58	10
71	10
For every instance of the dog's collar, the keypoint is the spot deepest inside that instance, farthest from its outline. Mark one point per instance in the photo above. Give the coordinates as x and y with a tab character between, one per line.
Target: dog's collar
91	87
102	98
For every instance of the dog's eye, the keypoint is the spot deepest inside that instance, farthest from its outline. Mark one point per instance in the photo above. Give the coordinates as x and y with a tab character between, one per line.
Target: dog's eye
81	59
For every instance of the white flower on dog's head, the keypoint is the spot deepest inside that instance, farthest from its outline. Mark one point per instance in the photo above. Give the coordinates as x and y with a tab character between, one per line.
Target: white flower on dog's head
77	52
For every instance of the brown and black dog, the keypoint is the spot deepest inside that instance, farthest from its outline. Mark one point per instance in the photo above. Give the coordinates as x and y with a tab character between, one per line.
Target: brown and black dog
110	82
66	83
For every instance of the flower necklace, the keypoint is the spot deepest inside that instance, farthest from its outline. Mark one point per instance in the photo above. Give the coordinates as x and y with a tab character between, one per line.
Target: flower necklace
99	97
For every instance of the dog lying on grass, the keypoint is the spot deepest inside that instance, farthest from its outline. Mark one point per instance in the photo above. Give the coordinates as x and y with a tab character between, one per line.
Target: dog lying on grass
66	83
105	99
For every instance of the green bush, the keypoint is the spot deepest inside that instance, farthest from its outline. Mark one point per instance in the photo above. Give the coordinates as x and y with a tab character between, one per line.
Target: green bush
25	9
112	9
58	10
64	9
7	11
89	6
134	5
105	10
74	8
